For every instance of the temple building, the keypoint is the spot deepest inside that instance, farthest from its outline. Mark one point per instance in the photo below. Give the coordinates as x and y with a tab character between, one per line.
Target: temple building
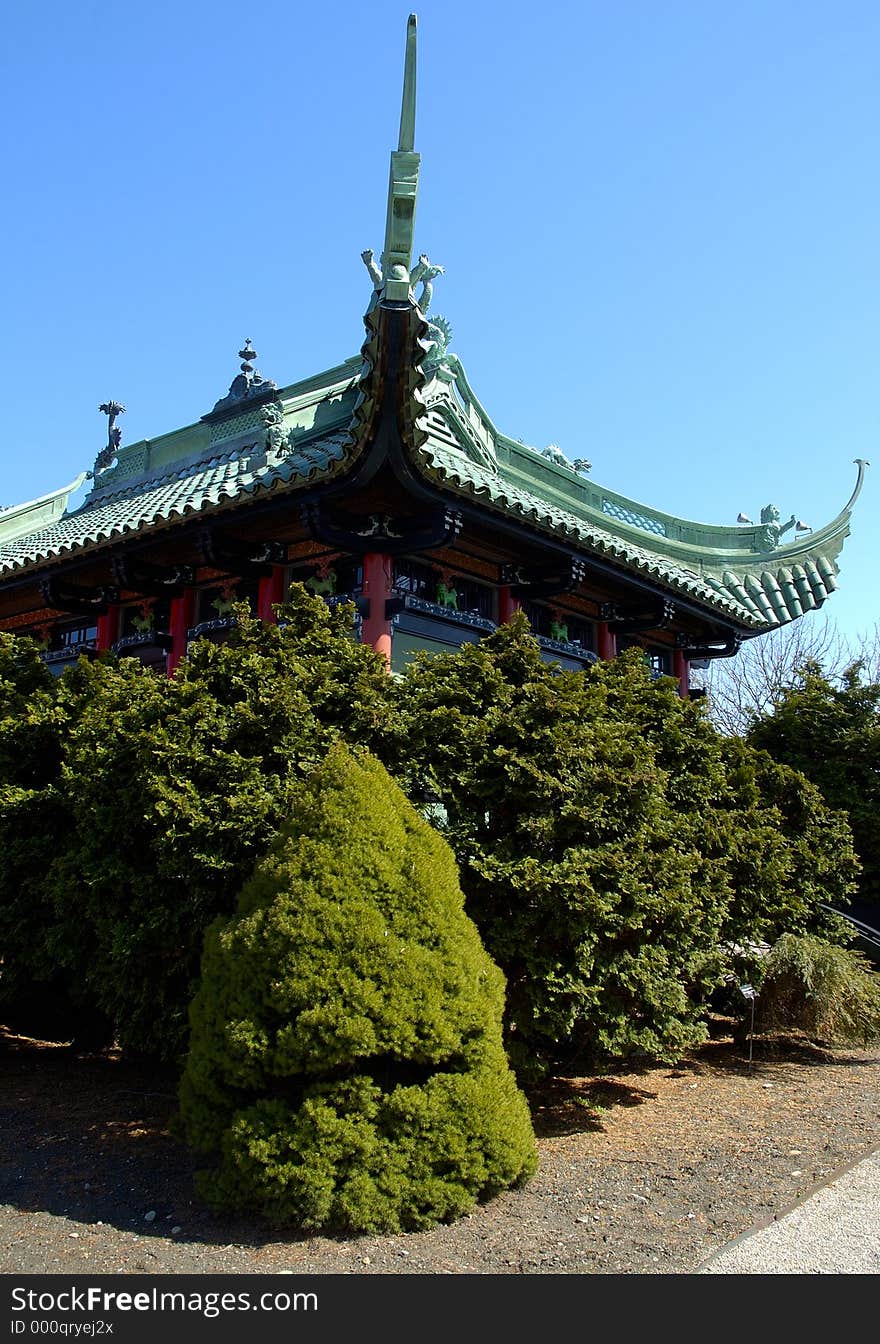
385	479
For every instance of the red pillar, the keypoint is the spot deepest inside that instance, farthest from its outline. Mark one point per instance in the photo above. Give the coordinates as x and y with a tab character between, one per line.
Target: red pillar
271	590
108	627
508	605
681	668
607	641
377	586
181	620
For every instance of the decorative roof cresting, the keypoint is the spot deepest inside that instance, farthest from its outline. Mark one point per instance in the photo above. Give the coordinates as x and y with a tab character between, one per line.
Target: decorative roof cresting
106	457
248	383
394	277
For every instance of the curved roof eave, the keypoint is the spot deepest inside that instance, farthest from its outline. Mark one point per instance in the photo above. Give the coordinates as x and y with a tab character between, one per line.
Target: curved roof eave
694	543
22	519
753	589
757	583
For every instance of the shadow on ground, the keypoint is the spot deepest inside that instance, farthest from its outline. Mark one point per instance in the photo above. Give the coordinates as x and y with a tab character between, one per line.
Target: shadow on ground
574	1105
87	1136
728	1056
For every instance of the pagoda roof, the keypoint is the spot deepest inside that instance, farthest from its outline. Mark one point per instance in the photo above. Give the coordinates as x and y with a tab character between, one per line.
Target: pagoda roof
408	397
203	487
200	469
206	469
746	571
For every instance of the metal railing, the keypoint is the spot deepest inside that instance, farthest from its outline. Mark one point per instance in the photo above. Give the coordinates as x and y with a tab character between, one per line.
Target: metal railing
868	937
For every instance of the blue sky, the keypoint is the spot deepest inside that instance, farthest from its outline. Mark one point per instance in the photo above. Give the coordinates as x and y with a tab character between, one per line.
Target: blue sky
658	219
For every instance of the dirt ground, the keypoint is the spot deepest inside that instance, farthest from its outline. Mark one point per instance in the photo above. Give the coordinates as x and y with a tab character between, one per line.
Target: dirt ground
642	1172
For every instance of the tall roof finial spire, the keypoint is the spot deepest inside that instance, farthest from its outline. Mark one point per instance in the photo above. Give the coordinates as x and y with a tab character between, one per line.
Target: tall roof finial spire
407	140
403	185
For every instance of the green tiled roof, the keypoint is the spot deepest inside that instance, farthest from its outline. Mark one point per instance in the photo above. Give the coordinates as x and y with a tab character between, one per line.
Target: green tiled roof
741	574
745	572
212	465
37	514
200	487
453	469
759	591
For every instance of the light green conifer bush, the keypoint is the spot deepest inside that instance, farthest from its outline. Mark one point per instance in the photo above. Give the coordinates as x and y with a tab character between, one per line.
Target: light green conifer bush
346	1067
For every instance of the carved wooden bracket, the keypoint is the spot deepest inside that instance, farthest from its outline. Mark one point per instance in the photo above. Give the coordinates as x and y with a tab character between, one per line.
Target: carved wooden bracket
381	532
142	576
247	559
728	648
636	619
65	596
535	582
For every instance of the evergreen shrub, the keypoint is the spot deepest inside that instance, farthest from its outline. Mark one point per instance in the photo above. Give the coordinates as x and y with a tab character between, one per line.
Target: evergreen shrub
830	994
582	865
610	842
346	1067
831	734
33	819
132	807
787	853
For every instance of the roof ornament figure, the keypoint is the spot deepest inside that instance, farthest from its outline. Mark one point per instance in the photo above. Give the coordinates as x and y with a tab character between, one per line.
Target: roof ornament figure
439	336
375	271
105	458
425	274
771	531
277	438
770	519
247	357
554	454
248	383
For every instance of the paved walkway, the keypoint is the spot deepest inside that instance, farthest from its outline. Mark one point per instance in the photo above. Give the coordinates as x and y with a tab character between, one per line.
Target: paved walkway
834	1230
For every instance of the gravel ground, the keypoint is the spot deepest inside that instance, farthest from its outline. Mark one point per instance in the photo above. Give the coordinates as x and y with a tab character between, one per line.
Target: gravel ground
641	1172
835	1231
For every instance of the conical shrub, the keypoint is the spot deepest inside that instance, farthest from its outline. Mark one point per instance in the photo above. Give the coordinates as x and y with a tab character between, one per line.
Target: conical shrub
346	1068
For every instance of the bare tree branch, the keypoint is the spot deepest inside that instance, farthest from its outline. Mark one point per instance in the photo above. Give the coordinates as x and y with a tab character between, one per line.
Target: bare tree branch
741	689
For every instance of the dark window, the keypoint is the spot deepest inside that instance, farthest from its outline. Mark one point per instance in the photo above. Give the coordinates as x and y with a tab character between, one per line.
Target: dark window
457	592
659	660
79	632
476	598
411	576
